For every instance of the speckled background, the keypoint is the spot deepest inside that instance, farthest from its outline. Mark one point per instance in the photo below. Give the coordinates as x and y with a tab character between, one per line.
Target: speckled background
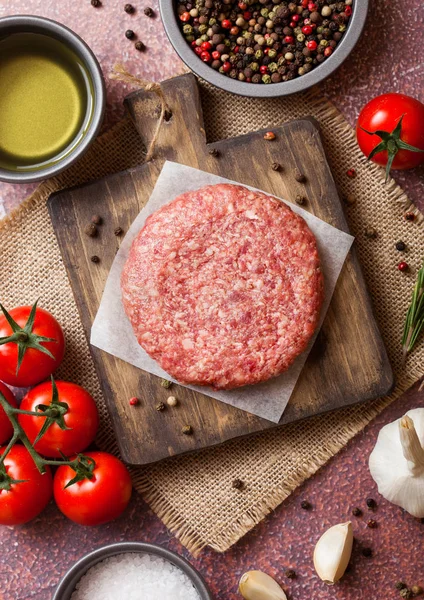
35	556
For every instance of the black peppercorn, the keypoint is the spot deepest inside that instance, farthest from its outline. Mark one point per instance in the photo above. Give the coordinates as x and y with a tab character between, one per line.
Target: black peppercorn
406	593
301	200
401	246
237	484
129	8
139	46
96	3
367	552
371	233
160	406
149	12
129	34
409	216
305	505
214	152
91	230
371	503
357	512
187	430
400	585
299	176
118	231
290	574
275	166
95	259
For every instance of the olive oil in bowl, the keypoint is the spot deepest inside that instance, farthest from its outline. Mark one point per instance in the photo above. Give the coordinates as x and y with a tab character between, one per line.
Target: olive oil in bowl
46	101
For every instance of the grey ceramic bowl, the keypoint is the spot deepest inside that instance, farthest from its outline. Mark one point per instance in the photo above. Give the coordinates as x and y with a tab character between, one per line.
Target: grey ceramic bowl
314	77
31	24
67	586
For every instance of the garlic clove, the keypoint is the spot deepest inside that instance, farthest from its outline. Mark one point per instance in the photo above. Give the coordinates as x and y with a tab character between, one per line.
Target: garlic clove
332	552
256	585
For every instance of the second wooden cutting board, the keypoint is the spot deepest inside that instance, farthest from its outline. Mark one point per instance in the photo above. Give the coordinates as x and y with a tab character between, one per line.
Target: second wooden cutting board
348	362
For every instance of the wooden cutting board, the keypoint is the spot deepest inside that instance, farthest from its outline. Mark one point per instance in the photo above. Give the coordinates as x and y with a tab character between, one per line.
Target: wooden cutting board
348	363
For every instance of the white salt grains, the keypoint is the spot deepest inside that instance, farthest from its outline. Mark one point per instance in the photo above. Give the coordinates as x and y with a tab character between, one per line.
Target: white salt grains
131	576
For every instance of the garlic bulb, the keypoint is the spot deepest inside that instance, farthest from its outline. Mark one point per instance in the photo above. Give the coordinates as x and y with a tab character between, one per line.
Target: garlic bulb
397	462
332	552
256	585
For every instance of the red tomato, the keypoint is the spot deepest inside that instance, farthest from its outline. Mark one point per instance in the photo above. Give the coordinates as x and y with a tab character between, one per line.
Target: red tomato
32	325
383	114
81	418
6	428
99	499
23	501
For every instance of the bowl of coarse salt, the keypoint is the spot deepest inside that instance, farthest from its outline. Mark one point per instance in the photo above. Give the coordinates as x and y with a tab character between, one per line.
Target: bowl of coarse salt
132	571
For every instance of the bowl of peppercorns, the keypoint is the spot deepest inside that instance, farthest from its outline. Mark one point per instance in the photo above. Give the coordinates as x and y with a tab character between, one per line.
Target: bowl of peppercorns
263	48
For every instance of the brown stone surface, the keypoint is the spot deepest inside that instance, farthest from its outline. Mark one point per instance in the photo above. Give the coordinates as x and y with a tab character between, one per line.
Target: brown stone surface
35	556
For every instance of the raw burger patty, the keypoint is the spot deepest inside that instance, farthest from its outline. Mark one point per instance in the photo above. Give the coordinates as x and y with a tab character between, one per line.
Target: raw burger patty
223	286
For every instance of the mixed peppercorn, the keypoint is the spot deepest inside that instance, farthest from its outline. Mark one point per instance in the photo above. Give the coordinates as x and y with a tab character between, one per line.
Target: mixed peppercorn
263	41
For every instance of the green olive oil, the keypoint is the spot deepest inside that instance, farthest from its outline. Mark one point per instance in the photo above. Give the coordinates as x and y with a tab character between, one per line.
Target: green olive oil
46	101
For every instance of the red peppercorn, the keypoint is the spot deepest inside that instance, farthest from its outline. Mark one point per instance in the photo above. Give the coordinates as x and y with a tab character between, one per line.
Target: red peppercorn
312	45
226	67
249	80
305	3
403	266
350	172
263	69
348	11
247	15
234	30
236	49
193	44
266	50
242	5
328	51
226	24
312	7
216	55
409	216
289	39
185	17
306	21
267	35
292	24
307	29
205	56
134	401
198	50
295	18
206	46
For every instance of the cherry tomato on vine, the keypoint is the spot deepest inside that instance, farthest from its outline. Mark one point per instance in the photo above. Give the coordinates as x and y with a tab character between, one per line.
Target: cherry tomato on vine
24	491
390	131
6	428
72	418
97	492
32	345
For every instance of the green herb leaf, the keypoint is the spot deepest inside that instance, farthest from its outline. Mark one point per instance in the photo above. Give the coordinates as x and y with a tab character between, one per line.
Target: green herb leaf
414	322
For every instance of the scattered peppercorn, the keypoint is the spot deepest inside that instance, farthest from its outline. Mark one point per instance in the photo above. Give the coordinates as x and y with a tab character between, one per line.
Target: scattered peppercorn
187	430
299	176
134	401
301	200
403	266
237	484
129	8
409	216
290	574
276	166
305	505
214	152
269	136
371	233
371	503
160	406
95	259
91	230
372	524
165	383
351	173
118	231
96	219
172	401
406	593
401	246
417	590
129	34
96	3
139	46
400	585
357	512
149	12
349	200
367	552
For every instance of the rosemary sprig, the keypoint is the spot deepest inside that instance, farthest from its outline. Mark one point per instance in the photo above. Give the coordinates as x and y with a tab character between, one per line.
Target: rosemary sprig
415	316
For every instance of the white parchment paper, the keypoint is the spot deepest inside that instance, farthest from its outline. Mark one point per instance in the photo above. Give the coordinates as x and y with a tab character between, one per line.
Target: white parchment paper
268	399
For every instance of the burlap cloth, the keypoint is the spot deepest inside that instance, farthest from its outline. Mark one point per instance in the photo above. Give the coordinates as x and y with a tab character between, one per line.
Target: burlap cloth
193	494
